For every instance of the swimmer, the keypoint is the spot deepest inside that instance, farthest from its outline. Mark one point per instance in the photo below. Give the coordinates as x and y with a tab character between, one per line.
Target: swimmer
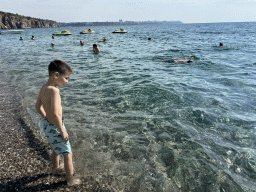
179	60
52	44
52	37
149	38
221	44
103	40
32	38
81	43
21	38
96	49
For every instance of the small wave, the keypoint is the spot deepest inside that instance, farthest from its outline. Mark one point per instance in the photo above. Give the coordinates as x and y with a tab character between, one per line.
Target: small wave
224	48
176	50
211	32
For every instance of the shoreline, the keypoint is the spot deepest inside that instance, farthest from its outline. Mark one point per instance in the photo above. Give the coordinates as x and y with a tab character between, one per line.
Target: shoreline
25	155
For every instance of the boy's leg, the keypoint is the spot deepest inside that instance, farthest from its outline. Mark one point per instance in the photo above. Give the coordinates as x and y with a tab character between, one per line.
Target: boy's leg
55	160
68	164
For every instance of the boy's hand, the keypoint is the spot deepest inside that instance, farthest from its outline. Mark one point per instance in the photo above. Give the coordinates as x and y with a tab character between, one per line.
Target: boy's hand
64	136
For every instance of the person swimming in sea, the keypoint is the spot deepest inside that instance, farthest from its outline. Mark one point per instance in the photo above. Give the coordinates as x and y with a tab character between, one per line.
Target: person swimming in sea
81	43
178	60
103	40
221	44
21	38
96	49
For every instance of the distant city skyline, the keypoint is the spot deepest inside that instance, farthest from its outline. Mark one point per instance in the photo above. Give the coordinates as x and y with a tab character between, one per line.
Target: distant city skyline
197	11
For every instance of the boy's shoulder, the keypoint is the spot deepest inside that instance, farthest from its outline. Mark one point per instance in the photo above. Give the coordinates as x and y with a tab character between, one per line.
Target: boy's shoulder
49	90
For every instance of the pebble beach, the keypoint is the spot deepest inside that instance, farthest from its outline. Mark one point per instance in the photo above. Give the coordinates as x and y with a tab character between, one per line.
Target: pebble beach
25	156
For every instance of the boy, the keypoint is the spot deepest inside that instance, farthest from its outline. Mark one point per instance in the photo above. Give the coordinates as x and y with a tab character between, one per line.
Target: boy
48	105
96	49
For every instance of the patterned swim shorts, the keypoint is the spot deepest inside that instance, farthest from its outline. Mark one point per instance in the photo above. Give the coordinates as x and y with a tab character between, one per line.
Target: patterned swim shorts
54	137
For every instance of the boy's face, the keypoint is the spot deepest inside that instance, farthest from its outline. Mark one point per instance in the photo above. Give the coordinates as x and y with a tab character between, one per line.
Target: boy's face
61	80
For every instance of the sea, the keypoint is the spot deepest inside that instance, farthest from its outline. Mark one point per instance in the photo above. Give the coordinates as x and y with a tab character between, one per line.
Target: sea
138	123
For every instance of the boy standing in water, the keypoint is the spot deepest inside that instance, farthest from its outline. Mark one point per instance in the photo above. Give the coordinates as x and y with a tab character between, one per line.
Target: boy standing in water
48	105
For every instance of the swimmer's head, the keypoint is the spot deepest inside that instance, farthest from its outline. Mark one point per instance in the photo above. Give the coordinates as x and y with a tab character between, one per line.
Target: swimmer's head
94	46
221	44
149	38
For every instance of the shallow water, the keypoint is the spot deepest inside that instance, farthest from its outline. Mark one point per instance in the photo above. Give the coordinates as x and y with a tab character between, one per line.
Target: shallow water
149	124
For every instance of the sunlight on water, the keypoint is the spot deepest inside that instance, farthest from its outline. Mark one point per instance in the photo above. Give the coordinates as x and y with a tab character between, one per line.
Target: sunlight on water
142	124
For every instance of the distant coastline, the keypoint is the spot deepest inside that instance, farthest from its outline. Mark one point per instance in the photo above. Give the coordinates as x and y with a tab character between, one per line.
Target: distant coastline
108	23
15	21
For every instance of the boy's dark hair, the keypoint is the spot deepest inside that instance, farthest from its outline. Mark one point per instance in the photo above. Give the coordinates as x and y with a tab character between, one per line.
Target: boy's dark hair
94	45
59	66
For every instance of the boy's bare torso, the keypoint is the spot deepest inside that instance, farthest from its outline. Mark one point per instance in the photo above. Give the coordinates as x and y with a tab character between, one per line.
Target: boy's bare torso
51	102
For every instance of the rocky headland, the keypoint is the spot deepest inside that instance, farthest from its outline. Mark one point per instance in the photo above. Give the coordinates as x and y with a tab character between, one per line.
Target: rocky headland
15	21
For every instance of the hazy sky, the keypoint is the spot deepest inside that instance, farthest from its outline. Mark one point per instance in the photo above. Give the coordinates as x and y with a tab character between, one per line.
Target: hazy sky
186	11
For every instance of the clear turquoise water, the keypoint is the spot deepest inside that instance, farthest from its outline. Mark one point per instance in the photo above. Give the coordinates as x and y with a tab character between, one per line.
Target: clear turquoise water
145	123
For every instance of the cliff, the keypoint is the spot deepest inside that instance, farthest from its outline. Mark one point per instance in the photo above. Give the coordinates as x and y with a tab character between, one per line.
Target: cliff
15	21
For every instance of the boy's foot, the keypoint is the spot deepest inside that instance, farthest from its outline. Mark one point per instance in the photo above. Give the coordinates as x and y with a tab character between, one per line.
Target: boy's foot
58	171
73	180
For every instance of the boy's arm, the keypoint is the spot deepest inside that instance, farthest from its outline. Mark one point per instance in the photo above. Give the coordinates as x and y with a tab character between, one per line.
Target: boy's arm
39	107
57	113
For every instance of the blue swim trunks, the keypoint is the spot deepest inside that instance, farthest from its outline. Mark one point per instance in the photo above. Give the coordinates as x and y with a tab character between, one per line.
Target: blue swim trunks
54	137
